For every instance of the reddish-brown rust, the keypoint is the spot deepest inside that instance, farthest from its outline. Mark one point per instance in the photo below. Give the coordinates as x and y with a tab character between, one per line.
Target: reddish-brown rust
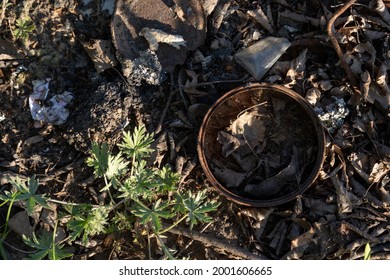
217	118
333	39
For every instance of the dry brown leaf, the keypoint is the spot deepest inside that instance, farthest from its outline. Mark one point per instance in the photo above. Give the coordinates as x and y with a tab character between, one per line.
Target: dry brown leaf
297	69
160	147
299	245
303	240
382	149
260	215
179	164
381	79
198	57
342	137
300	18
261	18
355	64
339	91
231	178
280	68
274	184
318	206
325	85
209	5
346	200
380	7
193	81
250	127
366	82
247	161
230	143
376	96
313	95
362	192
101	53
368	48
373	34
358	124
379	170
358	161
279	236
20	224
384	193
349	34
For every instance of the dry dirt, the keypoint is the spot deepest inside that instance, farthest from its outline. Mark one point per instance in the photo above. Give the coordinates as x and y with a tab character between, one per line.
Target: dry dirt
347	206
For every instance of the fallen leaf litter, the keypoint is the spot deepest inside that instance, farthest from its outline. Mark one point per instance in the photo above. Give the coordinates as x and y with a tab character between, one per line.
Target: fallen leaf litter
269	148
357	148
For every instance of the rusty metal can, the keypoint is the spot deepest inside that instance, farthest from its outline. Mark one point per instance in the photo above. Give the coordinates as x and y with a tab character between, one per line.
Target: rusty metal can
286	114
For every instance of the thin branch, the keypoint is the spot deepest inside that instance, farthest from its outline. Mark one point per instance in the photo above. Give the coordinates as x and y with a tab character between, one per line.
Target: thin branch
333	39
213	242
165	111
3	7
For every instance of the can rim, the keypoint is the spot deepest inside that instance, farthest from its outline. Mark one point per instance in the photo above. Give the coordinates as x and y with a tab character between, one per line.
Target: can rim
271	201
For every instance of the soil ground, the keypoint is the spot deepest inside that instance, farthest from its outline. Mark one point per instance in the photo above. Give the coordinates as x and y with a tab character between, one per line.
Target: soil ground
347	206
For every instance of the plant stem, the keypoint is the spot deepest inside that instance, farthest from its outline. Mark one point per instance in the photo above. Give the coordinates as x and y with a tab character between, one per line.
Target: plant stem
53	250
173	225
108	190
149	246
9	213
69	203
165	249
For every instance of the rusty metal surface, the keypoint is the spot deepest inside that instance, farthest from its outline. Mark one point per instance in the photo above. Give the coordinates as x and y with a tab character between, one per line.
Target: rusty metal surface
178	17
226	109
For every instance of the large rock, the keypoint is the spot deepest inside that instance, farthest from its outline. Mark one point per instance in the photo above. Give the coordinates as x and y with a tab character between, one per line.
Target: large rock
182	18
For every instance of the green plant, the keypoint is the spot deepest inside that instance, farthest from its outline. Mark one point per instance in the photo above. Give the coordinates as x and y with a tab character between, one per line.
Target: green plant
138	195
150	194
24	26
26	193
45	245
367	252
8	198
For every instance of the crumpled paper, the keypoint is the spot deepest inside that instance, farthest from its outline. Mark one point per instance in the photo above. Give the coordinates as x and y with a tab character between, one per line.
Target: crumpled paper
56	112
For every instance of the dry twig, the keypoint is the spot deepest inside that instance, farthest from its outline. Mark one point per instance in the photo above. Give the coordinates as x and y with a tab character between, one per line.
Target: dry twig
333	39
213	242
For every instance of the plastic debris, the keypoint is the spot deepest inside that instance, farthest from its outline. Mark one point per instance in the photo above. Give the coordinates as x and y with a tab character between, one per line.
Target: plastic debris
56	113
258	58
